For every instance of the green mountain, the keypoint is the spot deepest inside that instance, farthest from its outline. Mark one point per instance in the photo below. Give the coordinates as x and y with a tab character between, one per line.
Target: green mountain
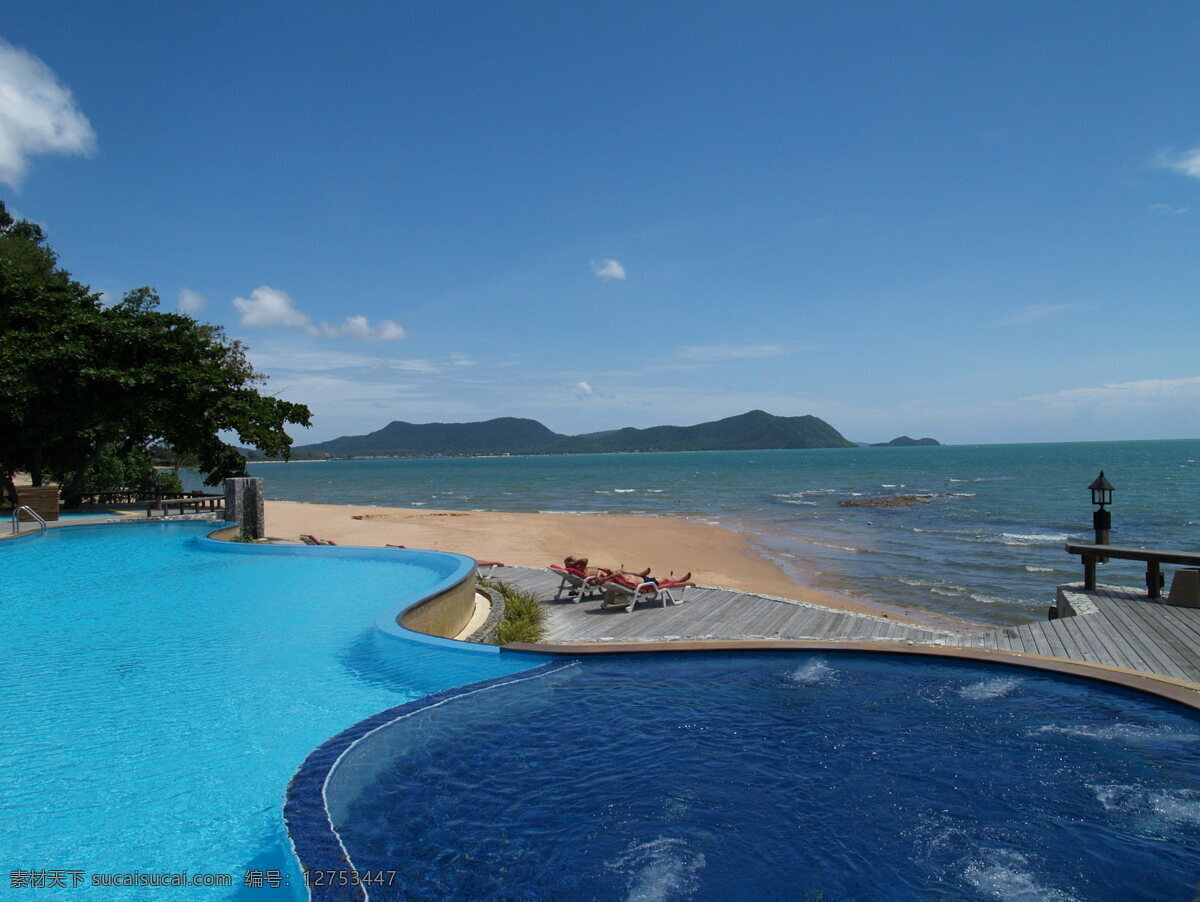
399	439
510	435
904	441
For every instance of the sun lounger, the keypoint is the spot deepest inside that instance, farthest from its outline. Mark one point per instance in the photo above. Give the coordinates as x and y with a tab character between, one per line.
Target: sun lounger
620	591
313	540
577	584
483	569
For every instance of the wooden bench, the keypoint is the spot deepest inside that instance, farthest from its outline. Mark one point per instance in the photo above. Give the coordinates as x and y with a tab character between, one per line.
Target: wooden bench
196	502
1093	554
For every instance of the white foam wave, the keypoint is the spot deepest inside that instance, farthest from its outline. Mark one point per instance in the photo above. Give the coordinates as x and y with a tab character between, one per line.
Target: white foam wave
624	491
1122	732
1175	806
832	546
985	599
1008	875
793	501
658	870
812	673
1033	569
656	491
1034	538
997	687
949	592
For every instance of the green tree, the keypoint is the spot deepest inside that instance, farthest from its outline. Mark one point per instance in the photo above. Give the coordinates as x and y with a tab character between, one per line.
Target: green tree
79	379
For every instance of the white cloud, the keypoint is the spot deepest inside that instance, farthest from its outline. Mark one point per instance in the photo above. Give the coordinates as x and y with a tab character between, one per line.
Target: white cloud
1168	210
735	352
37	114
1122	394
412	366
457	359
359	327
268	307
582	389
1038	312
1185	162
608	271
191	301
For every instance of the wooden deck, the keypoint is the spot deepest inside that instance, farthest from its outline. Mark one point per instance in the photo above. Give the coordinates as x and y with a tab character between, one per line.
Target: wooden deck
1116	627
1111	625
704	613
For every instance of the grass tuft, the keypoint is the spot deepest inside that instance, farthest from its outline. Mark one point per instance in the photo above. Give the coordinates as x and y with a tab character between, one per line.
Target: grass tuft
523	616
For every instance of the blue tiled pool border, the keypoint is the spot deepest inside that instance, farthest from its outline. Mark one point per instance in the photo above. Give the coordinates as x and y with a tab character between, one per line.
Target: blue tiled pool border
315	842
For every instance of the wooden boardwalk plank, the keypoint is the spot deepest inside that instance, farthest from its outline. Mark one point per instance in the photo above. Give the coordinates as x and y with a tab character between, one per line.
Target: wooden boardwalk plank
1127	655
1126	629
1135	634
1186	623
1162	636
1033	640
1054	639
1103	649
1090	648
1158	621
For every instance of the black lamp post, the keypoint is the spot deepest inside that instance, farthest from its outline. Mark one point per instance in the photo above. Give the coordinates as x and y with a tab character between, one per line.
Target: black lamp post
1101	518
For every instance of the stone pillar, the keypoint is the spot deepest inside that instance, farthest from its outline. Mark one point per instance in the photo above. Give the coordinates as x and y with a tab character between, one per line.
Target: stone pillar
244	505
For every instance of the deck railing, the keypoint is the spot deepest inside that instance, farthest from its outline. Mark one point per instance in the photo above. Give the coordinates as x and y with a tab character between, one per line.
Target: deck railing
1093	554
196	500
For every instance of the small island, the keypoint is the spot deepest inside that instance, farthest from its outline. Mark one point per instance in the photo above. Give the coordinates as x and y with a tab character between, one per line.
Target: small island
904	441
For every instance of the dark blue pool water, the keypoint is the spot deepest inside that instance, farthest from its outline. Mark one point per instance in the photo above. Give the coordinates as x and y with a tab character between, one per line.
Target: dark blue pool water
784	776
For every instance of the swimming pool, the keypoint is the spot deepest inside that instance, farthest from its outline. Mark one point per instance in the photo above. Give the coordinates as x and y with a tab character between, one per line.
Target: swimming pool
777	776
159	689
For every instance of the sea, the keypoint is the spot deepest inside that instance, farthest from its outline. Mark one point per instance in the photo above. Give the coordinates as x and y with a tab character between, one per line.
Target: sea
978	533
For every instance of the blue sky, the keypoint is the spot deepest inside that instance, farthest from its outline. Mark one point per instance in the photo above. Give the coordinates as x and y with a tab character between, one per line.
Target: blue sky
974	221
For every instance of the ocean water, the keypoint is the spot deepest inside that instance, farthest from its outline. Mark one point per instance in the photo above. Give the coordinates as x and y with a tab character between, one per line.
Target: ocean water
985	545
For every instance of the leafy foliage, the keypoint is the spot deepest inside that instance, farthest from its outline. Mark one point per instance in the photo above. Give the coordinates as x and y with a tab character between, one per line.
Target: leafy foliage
79	378
114	471
523	614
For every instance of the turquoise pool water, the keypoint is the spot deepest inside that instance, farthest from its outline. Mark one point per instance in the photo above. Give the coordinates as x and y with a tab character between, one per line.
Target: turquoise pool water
158	690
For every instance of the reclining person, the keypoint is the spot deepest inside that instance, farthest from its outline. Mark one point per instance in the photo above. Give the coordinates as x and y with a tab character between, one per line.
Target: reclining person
575	562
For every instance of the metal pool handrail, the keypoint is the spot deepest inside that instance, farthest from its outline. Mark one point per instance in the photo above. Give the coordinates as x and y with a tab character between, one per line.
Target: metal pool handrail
16	518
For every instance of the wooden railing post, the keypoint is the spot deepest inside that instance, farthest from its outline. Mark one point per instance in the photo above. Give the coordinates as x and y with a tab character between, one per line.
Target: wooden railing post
1089	572
1153	578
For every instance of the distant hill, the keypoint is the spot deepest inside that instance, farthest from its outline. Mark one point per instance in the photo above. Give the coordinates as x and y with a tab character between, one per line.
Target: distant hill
399	439
905	442
510	435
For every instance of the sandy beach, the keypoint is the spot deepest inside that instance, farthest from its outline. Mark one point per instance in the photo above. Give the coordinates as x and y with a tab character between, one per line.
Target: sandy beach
715	556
